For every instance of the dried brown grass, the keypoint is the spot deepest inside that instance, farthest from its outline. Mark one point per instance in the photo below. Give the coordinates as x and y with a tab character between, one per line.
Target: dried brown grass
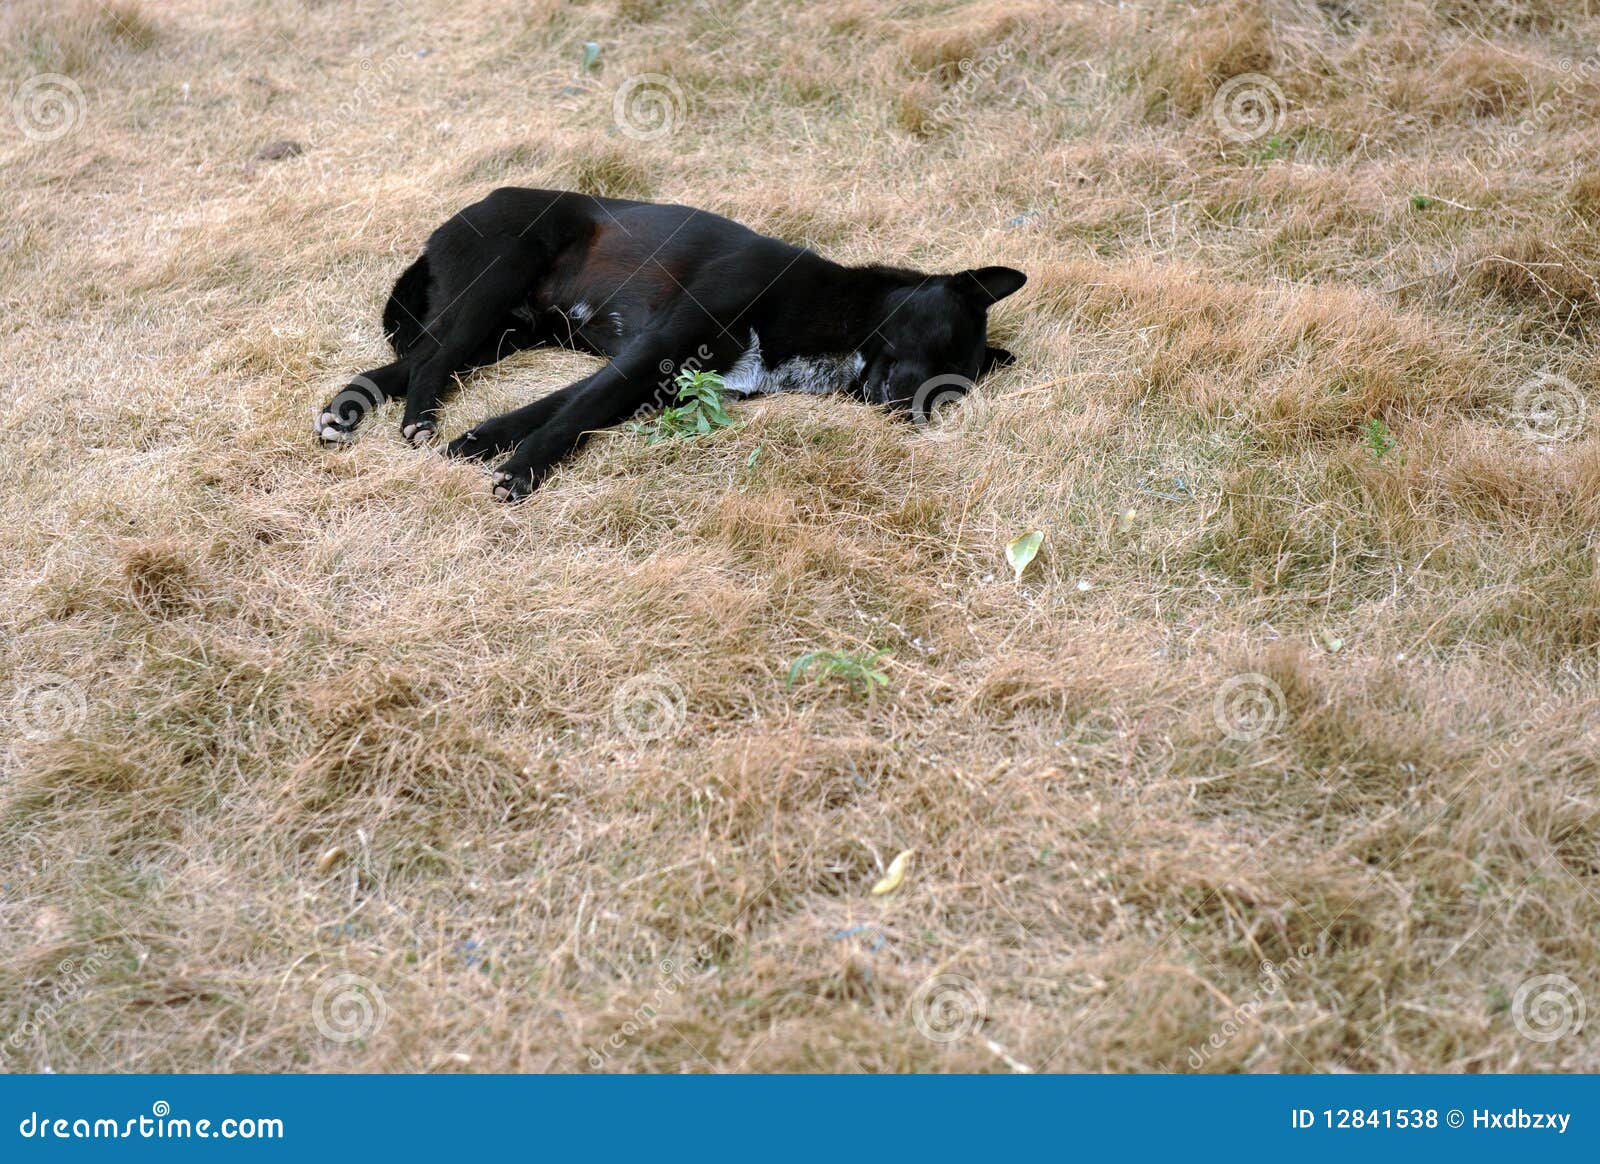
344	714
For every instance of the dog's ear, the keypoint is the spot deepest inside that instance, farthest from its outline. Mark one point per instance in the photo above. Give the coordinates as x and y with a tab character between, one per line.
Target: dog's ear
988	285
993	358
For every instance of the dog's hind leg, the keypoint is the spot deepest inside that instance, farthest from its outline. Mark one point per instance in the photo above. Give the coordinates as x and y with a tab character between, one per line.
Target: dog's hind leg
337	421
472	316
403	314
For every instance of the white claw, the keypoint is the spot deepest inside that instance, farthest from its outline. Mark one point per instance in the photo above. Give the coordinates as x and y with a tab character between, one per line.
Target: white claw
329	433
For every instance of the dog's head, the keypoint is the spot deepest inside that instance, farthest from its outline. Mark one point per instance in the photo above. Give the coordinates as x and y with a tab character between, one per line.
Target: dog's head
932	343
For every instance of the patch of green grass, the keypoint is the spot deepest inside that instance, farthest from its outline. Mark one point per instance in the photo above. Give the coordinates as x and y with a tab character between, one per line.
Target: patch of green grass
858	668
1273	149
1378	439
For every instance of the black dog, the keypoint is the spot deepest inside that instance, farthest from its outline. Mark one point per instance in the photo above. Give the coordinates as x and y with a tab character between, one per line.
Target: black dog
656	289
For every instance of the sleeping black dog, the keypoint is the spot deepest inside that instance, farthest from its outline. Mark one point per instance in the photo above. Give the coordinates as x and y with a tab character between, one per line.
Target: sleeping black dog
655	289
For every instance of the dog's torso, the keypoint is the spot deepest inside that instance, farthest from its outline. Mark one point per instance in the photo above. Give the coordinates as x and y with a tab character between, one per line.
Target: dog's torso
621	264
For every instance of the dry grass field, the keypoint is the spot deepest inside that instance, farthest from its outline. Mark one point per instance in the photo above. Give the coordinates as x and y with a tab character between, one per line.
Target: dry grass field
1281	756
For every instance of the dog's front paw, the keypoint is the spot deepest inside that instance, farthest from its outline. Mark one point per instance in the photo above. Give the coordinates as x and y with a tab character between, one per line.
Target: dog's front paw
512	485
421	433
469	446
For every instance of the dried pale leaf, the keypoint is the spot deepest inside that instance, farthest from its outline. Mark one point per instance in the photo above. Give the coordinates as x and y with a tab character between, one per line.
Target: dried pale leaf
896	874
1023	550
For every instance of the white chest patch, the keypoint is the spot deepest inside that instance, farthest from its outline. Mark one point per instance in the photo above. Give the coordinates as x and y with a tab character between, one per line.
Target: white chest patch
812	375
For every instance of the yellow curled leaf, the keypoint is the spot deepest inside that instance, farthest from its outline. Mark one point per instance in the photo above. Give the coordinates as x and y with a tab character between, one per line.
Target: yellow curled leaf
896	874
1021	551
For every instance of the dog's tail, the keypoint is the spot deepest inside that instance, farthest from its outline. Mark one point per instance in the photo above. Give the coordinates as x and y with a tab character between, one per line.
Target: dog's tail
407	310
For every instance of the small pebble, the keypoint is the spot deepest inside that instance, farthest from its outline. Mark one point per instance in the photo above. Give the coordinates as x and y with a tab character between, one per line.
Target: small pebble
275	151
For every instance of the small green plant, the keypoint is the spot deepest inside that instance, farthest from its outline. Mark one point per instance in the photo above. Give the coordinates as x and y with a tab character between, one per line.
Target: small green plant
1270	150
698	410
1378	439
860	669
